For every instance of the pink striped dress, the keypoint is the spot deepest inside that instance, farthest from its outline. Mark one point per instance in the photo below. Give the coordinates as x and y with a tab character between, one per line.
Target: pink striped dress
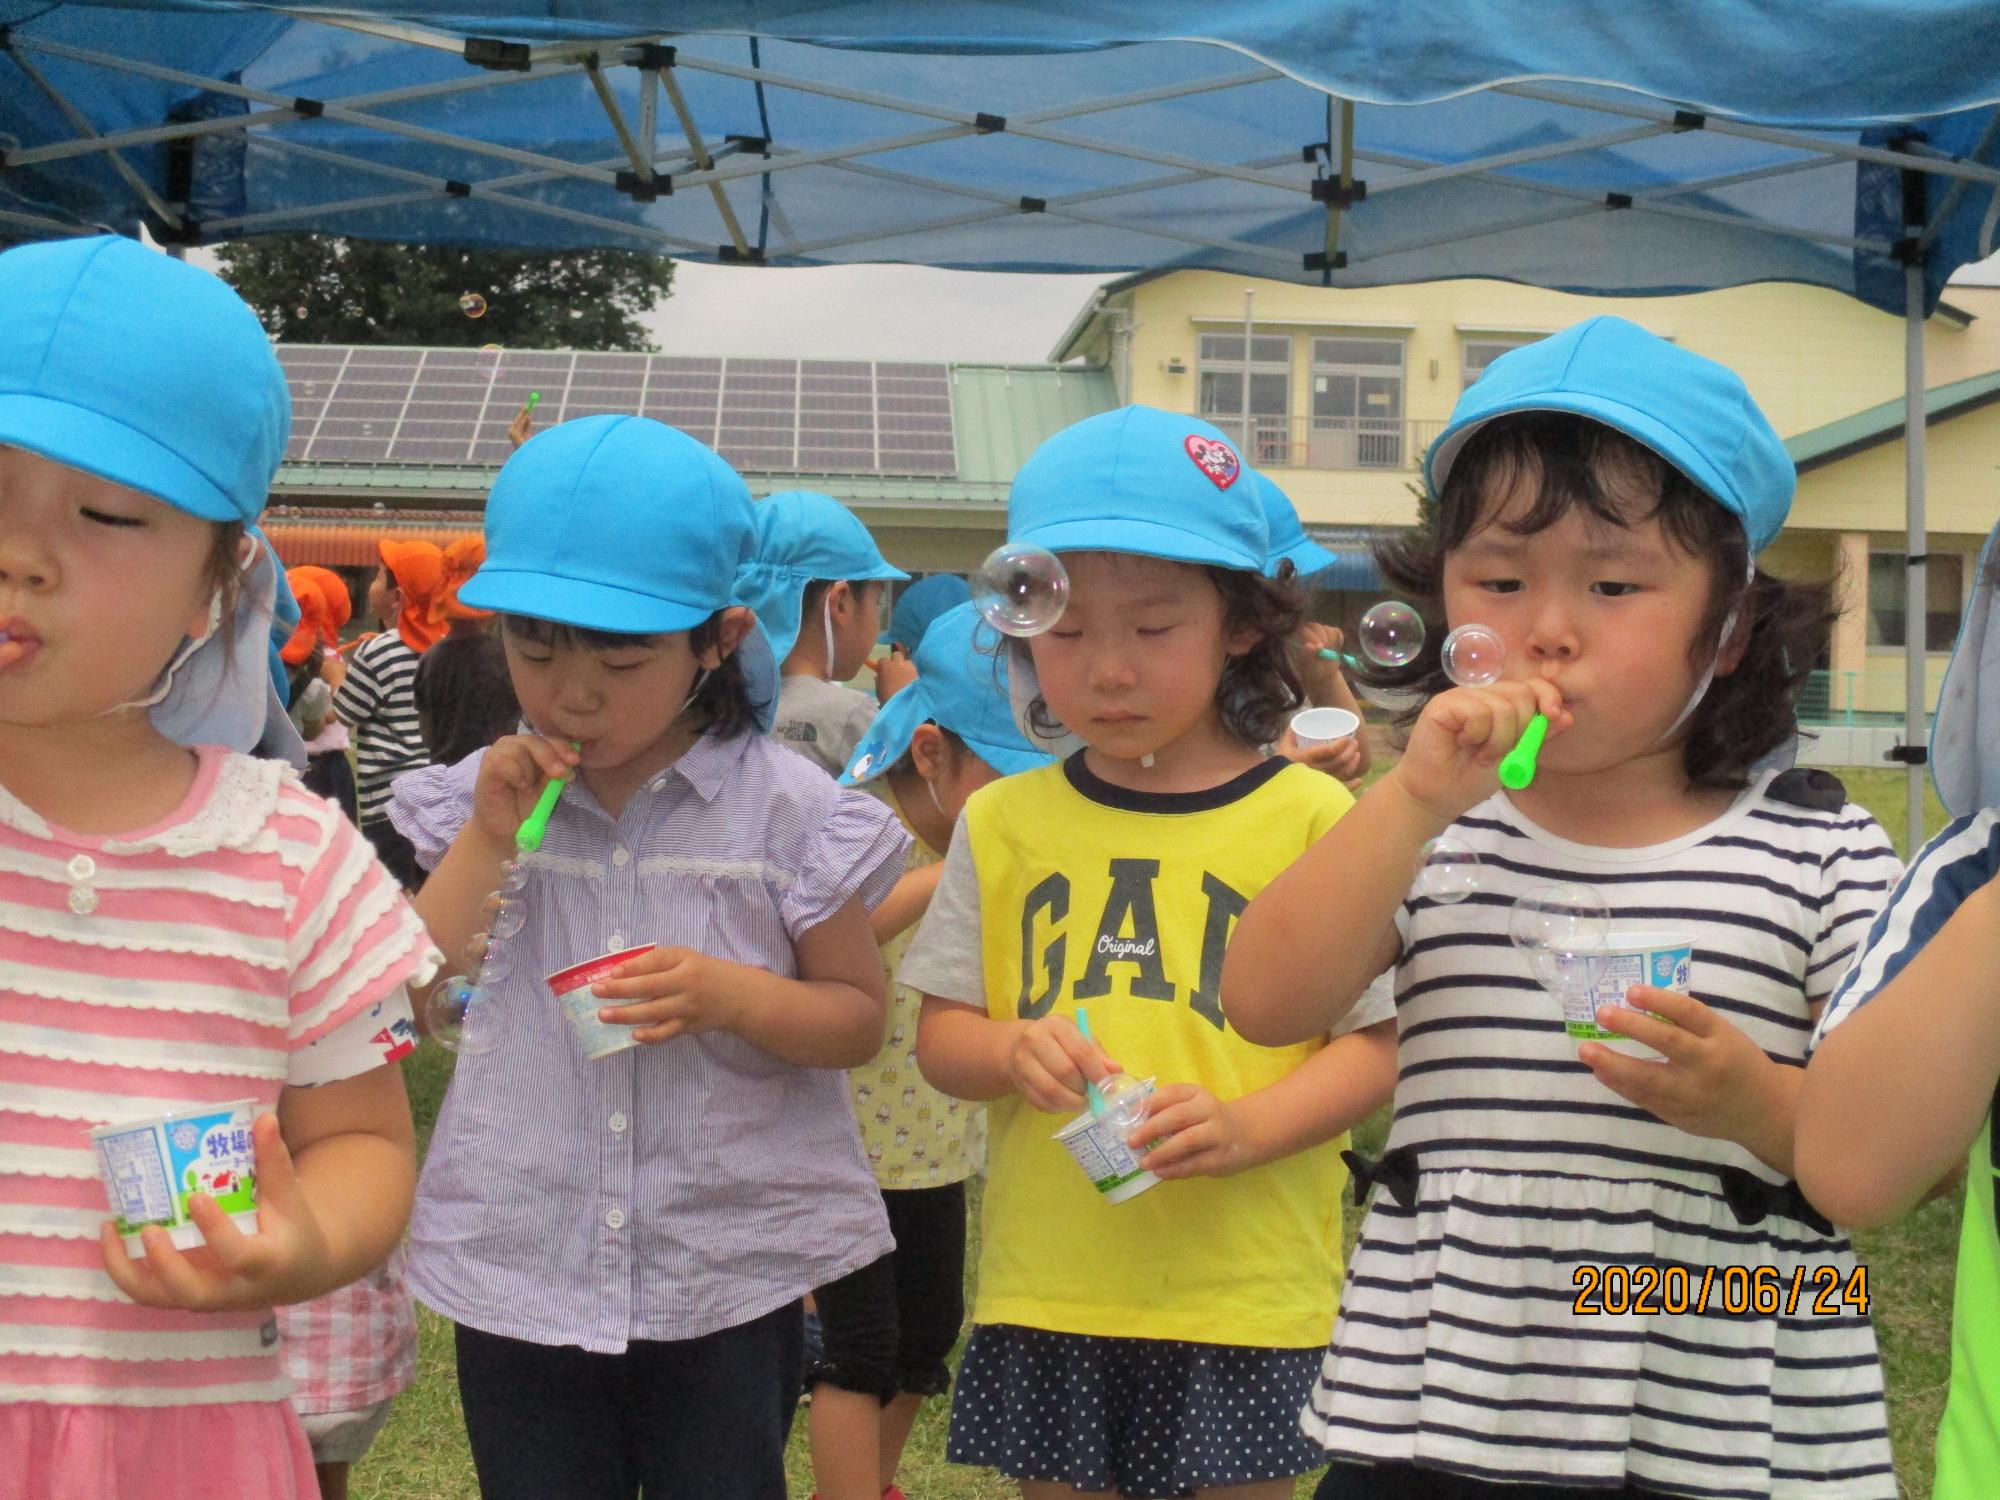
182	964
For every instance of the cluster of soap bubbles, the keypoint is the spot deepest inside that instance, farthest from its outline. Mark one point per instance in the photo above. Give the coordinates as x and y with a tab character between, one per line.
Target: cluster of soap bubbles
1558	929
1448	870
472	305
460	1013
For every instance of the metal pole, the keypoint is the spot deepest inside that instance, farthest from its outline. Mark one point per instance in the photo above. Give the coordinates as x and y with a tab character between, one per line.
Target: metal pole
1916	599
1248	324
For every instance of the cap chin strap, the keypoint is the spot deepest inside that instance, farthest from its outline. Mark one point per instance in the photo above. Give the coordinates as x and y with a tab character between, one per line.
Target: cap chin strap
702	675
826	621
1708	674
934	800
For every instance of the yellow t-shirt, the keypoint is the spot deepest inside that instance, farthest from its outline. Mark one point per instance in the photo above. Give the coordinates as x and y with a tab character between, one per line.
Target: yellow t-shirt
1123	902
915	1137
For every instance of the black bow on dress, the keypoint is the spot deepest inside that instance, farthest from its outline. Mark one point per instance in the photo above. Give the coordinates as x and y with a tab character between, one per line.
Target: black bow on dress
1394	1171
1750	1197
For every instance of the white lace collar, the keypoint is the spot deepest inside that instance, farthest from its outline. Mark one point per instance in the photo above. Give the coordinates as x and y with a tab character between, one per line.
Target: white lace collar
233	814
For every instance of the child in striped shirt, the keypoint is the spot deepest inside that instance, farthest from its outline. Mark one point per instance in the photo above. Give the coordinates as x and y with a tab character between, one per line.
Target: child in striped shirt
1601	496
186	926
377	699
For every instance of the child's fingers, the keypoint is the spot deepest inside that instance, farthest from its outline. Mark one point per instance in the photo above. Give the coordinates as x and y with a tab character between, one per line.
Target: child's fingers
177	1282
277	1173
1670	1041
655	1012
1687	1014
127	1274
235	1250
1636	1080
1043	1089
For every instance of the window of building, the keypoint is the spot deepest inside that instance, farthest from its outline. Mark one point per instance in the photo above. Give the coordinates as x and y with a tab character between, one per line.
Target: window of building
1479	353
1889	598
1357	404
1263	431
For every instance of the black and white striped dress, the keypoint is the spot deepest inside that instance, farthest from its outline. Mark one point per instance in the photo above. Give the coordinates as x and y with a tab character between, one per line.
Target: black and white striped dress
1458	1345
378	700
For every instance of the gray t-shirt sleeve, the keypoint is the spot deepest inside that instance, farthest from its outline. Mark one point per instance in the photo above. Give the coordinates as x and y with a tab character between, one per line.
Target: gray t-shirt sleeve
947	958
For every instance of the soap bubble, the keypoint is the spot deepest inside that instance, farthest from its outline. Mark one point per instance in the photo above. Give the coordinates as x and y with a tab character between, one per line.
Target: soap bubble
505	914
513	875
1557	928
1391	633
1021	589
1473	656
1121	1103
461	1017
472	305
477	948
1568	917
300	311
1447	870
490	349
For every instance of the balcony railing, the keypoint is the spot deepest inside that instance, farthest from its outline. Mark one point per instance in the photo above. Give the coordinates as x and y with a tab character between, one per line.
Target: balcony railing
1305	442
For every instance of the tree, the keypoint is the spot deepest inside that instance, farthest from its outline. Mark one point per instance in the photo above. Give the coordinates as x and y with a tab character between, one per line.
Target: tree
311	289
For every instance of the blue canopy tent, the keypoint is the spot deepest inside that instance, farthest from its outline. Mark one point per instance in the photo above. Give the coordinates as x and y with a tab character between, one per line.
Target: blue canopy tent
1853	144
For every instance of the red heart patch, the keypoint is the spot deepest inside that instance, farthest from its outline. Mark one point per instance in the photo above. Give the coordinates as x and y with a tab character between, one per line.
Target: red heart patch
1216	459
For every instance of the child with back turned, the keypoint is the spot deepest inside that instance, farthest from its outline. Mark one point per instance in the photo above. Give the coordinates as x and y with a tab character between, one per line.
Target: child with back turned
1601	496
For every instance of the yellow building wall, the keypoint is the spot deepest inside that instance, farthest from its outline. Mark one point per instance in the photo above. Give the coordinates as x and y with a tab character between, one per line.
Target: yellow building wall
1809	356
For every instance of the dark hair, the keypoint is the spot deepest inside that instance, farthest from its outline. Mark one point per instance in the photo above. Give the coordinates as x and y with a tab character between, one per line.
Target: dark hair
1260	687
300	677
722	703
816	588
1567	461
222	573
465	699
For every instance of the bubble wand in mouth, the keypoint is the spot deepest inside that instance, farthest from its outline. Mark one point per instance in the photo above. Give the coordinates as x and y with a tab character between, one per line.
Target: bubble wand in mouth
528	837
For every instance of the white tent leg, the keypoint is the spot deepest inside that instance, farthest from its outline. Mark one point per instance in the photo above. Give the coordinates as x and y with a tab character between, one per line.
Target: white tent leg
1915	600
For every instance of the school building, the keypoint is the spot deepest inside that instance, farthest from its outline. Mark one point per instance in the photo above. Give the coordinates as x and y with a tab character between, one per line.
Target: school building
1339	394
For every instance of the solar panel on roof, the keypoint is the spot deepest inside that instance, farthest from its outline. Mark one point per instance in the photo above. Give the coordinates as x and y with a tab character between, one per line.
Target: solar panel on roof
366	405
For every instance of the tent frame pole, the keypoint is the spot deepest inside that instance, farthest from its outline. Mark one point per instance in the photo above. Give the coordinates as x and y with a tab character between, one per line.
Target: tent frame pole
1916	602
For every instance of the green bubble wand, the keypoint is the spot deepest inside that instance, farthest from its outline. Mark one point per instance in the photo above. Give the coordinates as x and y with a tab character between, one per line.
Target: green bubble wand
528	837
1517	766
534	400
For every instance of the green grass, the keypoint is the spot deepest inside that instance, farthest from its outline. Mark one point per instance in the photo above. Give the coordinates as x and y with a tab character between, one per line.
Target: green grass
421	1455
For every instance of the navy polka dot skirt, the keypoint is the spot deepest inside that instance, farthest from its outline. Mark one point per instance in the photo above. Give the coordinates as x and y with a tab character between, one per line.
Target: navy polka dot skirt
1148	1418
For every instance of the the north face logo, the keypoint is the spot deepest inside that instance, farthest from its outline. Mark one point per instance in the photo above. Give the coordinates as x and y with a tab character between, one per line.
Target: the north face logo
1214	458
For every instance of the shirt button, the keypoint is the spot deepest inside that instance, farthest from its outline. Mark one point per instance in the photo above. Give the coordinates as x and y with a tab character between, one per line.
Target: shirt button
621	856
617	1124
613	943
615	1219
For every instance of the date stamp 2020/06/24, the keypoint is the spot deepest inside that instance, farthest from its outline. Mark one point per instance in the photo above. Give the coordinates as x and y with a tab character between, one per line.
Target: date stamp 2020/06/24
1740	1291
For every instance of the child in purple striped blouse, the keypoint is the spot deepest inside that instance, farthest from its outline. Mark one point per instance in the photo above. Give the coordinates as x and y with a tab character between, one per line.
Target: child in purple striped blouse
623	1240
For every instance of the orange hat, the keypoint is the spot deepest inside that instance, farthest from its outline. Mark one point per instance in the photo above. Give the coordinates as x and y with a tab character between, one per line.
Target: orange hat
461	560
324	607
418	568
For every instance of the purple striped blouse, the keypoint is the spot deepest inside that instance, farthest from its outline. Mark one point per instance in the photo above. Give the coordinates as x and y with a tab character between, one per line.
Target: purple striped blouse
668	1191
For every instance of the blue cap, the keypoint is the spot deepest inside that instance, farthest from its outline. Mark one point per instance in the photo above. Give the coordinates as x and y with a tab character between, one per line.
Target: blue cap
802	535
621	524
140	369
1289	542
921	603
1155	483
961	685
1696	414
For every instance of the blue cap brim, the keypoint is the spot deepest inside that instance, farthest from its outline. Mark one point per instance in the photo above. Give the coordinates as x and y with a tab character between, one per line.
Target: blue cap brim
1306	555
1639	426
888	740
1145	538
575	601
99	445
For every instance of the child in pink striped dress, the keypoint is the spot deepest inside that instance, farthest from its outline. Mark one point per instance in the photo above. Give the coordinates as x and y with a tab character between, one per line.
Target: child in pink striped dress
181	925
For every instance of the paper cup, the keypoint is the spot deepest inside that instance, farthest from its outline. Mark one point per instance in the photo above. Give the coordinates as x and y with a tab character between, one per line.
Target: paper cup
1322	726
571	987
1104	1157
1662	959
151	1165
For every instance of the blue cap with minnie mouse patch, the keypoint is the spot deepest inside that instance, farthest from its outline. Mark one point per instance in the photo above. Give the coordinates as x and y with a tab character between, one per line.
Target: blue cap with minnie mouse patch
1140	480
